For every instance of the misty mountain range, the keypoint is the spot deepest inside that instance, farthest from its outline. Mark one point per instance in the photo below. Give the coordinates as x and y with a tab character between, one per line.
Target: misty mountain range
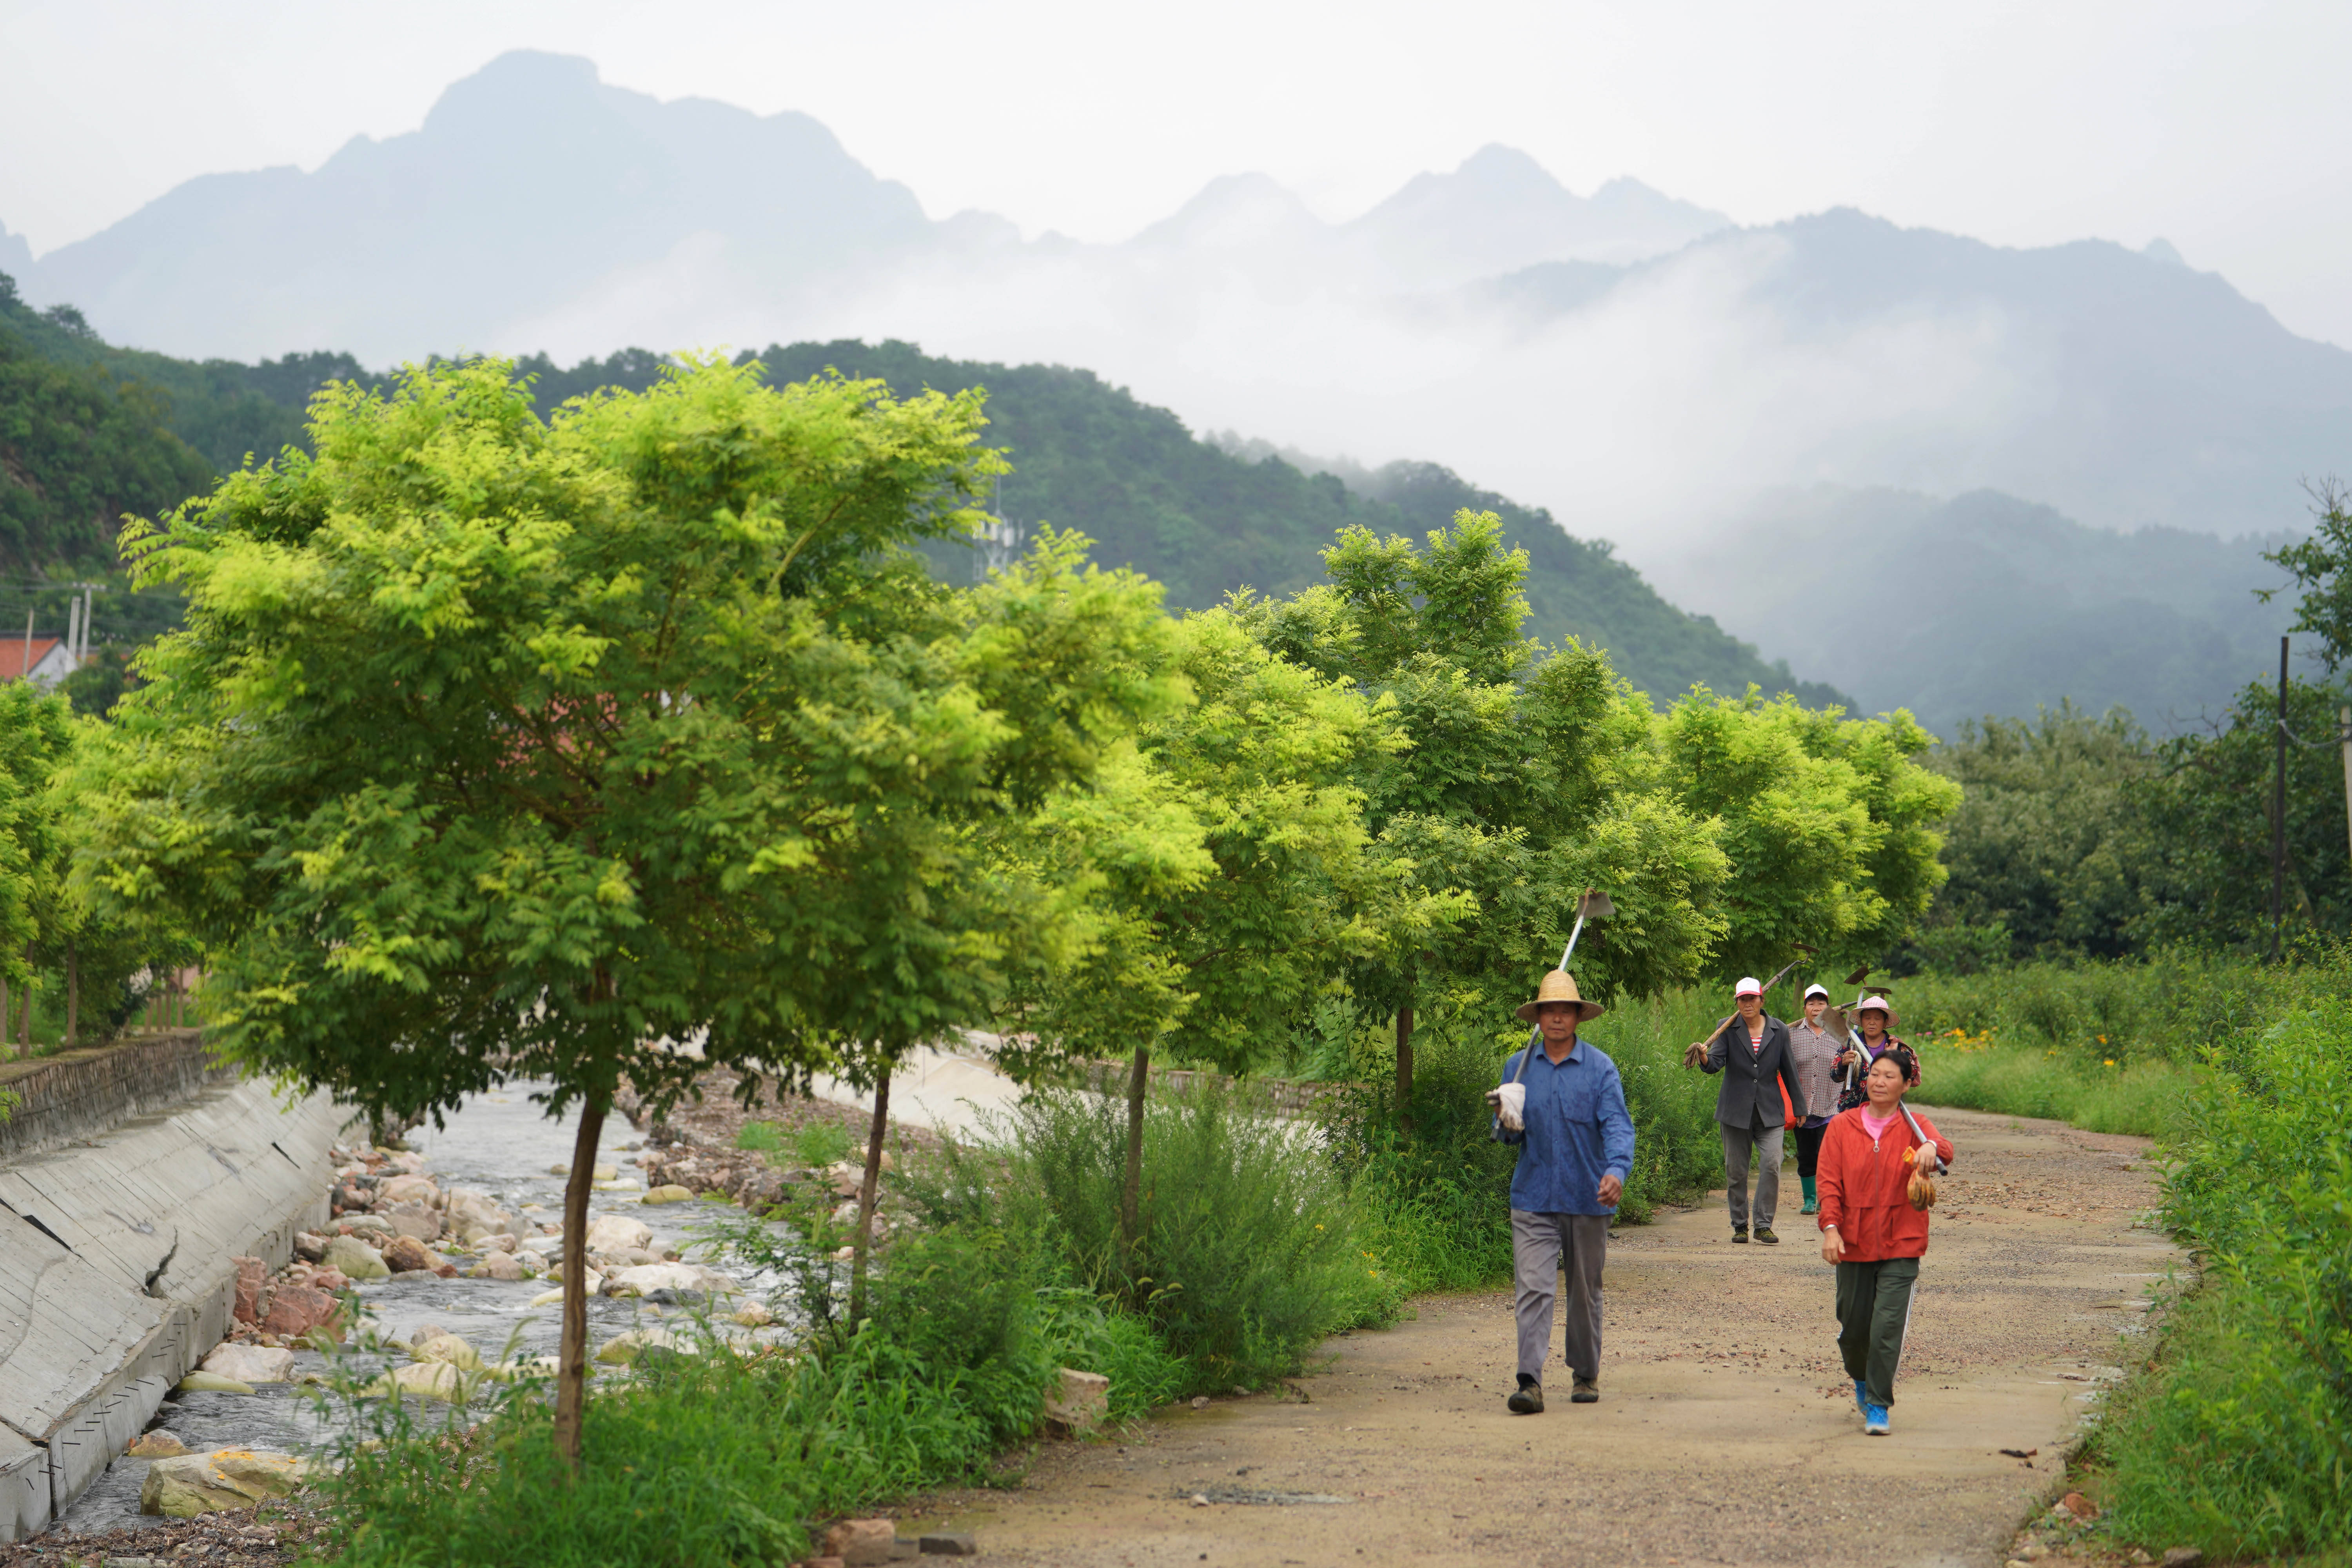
1743	411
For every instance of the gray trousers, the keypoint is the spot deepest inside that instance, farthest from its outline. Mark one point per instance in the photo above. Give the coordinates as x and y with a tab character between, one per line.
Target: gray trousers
1737	1141
1545	1246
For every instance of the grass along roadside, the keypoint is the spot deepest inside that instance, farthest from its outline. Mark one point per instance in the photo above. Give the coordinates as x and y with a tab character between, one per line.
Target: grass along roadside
1980	1073
1006	1267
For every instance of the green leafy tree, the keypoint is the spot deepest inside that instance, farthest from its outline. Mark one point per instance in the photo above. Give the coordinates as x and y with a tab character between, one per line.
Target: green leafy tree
497	748
2321	565
2203	810
1526	776
1830	822
2045	851
37	738
1069	659
1233	868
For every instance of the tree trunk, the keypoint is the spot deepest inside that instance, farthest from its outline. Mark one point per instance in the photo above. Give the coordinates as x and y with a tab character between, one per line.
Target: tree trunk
1404	1066
572	1373
1130	1194
73	995
4	1013
865	1194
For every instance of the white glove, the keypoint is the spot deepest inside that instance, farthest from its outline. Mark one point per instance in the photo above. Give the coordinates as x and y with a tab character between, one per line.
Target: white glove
1511	1105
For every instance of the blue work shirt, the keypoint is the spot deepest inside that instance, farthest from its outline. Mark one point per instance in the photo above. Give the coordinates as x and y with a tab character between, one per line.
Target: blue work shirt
1578	1130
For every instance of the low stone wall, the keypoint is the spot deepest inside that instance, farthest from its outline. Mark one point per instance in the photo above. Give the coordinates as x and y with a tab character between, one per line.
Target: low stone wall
76	1094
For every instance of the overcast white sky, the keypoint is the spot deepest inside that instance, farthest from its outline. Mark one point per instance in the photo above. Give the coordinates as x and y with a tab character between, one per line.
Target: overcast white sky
2222	127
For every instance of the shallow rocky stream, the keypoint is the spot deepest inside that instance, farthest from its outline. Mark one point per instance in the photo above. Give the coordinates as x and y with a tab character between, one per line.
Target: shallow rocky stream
504	1145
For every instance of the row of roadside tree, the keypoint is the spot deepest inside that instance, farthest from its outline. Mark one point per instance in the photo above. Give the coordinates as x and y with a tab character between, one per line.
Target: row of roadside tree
495	745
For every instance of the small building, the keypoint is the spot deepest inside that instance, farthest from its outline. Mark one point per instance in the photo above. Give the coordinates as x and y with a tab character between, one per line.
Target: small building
45	657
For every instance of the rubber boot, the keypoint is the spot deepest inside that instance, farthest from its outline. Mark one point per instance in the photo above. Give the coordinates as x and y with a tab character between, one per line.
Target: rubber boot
1812	1199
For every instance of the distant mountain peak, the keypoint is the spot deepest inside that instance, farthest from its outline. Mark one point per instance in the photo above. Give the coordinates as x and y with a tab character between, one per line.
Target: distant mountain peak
1500	210
530	186
1234	211
519	73
1505	171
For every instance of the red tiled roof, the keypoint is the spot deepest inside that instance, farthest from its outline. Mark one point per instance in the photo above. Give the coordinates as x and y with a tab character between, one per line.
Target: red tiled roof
12	654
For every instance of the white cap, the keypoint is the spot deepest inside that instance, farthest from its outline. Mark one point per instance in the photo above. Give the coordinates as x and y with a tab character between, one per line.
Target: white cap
1821	991
1749	986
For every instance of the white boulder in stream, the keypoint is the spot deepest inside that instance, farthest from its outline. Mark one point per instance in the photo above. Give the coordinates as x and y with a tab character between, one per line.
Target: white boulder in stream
451	1351
616	1233
423	1380
473	1213
643	1278
218	1482
250	1364
407	1188
356	1258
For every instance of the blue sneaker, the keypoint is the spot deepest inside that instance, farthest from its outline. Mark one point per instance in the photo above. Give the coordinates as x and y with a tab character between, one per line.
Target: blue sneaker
1861	1396
1873	1420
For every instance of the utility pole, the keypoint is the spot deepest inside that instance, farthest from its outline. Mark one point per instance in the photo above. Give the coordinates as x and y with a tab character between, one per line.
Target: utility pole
2278	817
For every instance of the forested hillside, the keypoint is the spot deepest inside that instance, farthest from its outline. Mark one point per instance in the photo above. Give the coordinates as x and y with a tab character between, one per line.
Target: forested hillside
1089	456
99	431
79	446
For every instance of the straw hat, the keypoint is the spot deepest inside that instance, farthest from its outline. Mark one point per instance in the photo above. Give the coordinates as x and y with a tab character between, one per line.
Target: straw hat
1560	986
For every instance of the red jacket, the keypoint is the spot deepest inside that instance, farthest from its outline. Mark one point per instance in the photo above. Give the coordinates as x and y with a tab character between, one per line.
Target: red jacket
1864	1191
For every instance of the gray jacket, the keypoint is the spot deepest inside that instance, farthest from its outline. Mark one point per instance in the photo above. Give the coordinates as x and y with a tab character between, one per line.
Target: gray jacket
1747	1096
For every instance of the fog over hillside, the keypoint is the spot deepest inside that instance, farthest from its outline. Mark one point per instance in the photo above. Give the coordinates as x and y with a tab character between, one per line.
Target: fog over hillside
1646	371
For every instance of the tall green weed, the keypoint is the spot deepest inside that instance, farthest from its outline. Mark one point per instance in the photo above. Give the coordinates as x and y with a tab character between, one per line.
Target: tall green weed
2168	1006
2239	1439
1250	1252
2145	1098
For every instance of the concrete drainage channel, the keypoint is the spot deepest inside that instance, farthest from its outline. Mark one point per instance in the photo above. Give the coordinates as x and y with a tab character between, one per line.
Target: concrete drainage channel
118	1276
117	1234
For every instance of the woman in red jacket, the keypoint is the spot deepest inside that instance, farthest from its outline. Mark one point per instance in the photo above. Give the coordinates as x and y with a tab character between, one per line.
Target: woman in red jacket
1869	1228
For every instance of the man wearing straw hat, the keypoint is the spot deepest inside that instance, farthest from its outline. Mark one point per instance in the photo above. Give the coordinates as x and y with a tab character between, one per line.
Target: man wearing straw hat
1562	1103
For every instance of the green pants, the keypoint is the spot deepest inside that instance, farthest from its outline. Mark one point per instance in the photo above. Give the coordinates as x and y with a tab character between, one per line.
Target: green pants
1874	1310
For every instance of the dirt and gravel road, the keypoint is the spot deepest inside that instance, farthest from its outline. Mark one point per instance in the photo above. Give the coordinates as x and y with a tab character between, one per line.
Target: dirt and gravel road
1727	1431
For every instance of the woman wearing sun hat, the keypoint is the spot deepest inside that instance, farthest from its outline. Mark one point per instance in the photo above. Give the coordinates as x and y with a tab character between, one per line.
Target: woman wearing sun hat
1875	1161
1816	1046
1876	1017
1751	1052
1562	1103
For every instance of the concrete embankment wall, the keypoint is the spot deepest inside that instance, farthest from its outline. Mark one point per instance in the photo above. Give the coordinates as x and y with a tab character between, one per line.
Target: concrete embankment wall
116	1249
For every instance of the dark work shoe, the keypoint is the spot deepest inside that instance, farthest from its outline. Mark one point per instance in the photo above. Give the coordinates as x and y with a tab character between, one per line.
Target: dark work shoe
1586	1392
1527	1401
1739	1233
1764	1234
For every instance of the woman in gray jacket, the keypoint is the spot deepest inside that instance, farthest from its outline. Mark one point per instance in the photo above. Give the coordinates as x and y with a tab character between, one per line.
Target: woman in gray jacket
1816	1049
1752	1053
